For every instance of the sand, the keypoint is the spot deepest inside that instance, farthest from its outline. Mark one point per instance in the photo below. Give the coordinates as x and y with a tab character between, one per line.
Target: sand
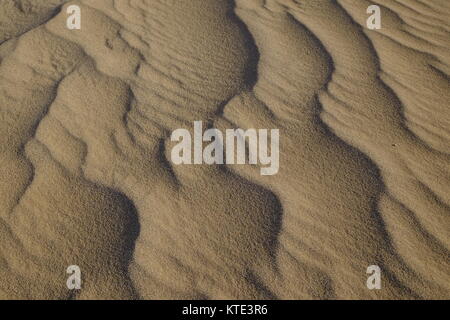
86	176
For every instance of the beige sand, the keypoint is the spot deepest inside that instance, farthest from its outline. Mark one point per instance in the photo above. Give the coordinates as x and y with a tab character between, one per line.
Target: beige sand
85	171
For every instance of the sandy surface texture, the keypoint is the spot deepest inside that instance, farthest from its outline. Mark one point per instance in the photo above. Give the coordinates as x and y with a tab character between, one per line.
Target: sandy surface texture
87	177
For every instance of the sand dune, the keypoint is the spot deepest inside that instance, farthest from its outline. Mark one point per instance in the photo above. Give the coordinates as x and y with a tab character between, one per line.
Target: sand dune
87	179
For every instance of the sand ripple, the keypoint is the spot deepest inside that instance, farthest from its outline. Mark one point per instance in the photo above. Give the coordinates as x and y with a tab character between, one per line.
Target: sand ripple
86	176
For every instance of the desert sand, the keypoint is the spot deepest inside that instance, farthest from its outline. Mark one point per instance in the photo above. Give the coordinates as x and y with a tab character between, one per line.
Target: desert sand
86	177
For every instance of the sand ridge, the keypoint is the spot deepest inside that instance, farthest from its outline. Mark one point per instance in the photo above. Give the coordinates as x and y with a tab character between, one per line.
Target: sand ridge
86	176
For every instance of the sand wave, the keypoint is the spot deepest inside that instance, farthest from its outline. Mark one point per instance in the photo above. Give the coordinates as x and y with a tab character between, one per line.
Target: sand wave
86	176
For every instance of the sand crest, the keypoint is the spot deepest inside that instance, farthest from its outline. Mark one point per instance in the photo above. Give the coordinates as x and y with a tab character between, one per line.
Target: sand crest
86	176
